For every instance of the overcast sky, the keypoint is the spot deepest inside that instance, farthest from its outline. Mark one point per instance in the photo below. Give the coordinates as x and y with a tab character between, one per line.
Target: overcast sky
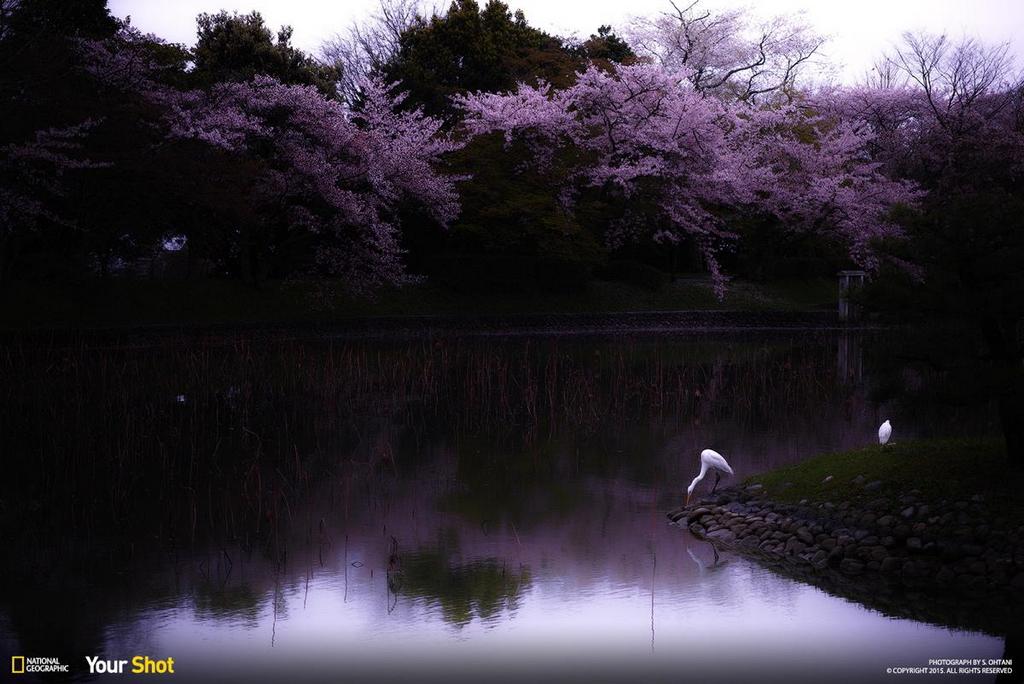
858	29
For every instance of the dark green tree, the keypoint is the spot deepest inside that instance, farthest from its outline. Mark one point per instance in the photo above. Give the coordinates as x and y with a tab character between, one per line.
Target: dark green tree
513	233
607	47
236	47
471	49
79	18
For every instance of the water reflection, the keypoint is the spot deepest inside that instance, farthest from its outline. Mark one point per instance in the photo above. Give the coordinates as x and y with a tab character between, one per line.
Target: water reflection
849	358
483	589
448	507
582	599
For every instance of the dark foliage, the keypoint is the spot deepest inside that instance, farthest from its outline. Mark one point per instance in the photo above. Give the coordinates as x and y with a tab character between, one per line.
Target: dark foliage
472	49
236	47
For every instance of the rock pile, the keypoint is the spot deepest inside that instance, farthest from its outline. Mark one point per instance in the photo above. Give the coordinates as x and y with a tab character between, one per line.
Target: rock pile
958	545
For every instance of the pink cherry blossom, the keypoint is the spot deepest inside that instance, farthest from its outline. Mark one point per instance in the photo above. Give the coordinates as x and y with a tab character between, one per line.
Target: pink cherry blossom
32	176
327	169
708	158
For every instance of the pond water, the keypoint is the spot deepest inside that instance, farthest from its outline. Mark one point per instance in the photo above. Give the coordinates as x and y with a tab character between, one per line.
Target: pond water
455	508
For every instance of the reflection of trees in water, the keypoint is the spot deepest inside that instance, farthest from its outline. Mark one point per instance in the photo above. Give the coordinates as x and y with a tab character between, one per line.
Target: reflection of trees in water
54	604
198	441
583	387
228	601
481	589
98	444
849	358
205	439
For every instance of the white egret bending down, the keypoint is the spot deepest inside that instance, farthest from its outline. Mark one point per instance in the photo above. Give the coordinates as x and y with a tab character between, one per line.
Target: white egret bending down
709	460
884	432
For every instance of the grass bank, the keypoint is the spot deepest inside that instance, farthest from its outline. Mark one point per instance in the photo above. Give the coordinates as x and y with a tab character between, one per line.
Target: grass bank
941	470
120	302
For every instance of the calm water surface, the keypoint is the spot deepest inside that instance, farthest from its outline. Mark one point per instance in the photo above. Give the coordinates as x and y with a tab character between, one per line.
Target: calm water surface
451	509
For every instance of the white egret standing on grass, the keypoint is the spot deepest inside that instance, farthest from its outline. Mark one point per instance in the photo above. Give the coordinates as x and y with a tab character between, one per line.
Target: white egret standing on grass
884	432
709	460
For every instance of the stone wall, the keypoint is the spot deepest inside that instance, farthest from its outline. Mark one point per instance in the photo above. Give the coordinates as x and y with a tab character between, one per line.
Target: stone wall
956	550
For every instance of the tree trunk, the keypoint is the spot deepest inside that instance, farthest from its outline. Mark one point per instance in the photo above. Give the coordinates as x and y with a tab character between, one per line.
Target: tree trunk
1011	418
3	262
245	262
8	254
1000	336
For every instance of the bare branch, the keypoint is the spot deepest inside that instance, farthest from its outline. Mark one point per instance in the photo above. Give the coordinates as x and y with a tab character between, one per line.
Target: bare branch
963	82
365	47
726	52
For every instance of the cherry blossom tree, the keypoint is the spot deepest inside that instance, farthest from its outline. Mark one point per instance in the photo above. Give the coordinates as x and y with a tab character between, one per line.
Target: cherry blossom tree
729	52
946	112
813	172
327	174
42	143
32	181
329	171
644	128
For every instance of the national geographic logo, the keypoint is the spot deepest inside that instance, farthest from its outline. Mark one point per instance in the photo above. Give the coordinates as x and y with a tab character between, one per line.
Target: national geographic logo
34	665
139	665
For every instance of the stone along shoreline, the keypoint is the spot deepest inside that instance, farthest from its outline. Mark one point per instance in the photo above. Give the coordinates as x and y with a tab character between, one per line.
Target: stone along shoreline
958	563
